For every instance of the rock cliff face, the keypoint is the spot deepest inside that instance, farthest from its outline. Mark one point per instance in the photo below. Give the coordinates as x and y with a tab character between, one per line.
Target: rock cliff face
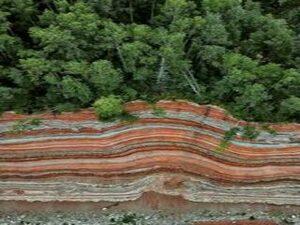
75	157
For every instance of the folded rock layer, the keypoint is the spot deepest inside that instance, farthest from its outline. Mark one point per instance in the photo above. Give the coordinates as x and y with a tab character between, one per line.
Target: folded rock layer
75	157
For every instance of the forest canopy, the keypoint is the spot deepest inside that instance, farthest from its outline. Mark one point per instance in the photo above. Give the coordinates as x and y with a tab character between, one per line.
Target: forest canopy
61	55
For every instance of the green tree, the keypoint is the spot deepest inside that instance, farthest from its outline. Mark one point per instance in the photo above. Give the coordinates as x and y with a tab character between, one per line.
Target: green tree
217	6
104	77
62	55
290	108
75	90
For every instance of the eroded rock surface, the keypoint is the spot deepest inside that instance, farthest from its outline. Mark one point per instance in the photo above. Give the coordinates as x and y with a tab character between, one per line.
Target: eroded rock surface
75	157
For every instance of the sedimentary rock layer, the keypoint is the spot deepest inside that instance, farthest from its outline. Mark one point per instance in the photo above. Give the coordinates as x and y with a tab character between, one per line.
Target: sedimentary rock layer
75	157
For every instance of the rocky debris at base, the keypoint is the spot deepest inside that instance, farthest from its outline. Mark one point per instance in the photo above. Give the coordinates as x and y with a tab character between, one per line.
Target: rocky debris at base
238	222
150	218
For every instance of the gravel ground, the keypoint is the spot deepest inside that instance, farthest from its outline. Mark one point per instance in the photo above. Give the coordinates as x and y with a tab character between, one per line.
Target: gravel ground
131	218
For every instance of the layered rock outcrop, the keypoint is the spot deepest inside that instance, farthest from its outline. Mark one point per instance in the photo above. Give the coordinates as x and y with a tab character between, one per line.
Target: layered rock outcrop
75	157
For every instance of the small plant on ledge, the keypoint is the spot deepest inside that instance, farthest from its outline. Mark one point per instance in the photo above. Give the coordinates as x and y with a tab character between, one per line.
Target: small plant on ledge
159	112
248	132
228	136
108	108
25	125
111	108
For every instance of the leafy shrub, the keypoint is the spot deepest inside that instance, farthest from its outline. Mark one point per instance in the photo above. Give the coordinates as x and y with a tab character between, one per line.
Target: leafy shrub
108	107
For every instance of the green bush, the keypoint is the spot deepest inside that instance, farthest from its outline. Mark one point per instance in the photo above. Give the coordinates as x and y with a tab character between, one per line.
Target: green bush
108	107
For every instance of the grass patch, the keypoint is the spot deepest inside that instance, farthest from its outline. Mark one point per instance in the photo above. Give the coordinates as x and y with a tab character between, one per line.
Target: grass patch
126	117
268	129
248	132
224	144
123	118
25	125
159	112
231	134
228	136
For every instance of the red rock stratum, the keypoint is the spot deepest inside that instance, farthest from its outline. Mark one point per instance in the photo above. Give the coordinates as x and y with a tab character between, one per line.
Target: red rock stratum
75	157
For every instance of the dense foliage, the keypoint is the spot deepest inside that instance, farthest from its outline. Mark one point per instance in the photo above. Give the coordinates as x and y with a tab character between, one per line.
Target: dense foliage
108	107
61	55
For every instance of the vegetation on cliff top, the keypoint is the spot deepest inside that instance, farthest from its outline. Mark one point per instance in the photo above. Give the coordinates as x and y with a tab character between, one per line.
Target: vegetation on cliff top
60	55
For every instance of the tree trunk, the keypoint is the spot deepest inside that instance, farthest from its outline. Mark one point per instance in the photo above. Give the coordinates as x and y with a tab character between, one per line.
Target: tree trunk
131	11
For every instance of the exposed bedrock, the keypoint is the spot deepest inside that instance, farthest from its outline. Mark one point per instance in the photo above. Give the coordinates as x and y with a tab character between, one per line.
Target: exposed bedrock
75	157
